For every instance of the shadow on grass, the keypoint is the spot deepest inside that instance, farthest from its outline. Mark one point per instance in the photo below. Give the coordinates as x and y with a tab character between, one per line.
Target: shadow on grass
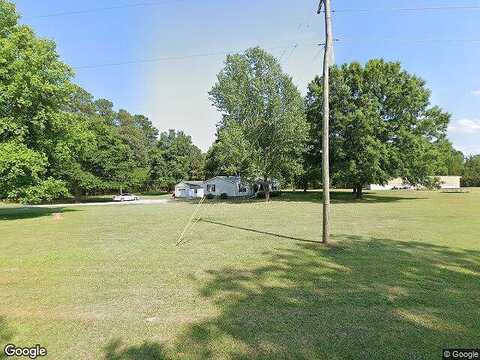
337	197
340	197
18	213
6	335
286	237
147	351
357	299
375	299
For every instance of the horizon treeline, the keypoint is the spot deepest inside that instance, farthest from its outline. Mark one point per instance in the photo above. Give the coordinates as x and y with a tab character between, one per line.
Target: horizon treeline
58	141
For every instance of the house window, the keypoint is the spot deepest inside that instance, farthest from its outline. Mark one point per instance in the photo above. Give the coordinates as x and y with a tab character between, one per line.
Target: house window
211	187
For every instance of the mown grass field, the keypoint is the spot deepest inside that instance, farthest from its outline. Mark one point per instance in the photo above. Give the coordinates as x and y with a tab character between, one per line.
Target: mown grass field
401	280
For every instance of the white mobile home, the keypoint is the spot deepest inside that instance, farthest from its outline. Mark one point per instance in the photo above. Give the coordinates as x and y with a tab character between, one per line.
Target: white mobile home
445	182
230	185
189	189
449	182
397	183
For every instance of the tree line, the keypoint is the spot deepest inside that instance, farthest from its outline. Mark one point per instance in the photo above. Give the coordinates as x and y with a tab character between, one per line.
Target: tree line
383	126
58	141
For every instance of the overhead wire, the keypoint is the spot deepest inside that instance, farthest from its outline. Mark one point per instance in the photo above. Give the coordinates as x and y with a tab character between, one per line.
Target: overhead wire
335	11
409	9
293	47
102	9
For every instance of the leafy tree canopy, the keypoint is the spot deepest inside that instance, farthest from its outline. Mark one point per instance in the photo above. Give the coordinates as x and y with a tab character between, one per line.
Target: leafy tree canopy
175	159
471	172
267	110
382	125
231	154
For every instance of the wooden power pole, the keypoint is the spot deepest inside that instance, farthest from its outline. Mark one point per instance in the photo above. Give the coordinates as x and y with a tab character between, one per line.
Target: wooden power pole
326	118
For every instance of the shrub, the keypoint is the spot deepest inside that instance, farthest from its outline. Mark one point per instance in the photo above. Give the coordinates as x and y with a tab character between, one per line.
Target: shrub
47	190
224	196
260	195
275	193
210	196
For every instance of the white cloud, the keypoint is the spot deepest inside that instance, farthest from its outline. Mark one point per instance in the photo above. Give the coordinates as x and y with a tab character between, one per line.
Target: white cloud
465	126
476	92
468	149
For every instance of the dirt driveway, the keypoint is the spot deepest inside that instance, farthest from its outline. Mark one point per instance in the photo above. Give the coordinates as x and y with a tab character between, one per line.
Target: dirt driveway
109	203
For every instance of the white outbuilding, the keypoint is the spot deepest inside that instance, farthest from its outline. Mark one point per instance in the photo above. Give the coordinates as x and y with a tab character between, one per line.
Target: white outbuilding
445	182
449	182
189	189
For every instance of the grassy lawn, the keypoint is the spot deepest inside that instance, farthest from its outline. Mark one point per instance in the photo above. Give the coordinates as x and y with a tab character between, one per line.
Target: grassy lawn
401	279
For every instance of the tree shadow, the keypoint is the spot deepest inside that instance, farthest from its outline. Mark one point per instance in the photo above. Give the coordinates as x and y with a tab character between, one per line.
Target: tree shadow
115	350
6	335
342	197
19	213
361	299
337	197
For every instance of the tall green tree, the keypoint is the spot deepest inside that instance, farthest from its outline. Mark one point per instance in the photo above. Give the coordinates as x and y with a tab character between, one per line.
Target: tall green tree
453	160
140	136
382	125
231	154
253	93
471	172
34	84
56	138
175	158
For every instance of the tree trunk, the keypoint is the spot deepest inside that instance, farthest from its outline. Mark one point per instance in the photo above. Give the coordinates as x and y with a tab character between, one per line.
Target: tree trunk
77	194
266	189
359	192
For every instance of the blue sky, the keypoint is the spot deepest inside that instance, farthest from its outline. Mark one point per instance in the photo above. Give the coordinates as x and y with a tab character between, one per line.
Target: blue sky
173	93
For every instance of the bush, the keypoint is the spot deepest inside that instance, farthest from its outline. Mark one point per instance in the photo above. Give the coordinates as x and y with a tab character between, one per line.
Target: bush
471	181
224	196
47	190
210	196
260	195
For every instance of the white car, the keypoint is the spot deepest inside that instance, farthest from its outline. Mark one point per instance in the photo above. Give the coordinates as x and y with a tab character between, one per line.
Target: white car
125	197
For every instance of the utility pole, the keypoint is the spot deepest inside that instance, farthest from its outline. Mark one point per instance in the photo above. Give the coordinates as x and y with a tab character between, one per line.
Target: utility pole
326	118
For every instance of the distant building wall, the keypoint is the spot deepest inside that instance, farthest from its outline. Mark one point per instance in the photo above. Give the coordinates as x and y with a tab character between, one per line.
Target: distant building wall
446	182
398	182
449	182
184	190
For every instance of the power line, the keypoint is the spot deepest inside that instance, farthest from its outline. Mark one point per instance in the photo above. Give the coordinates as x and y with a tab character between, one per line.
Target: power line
169	58
165	2
411	9
410	40
100	9
291	52
293	47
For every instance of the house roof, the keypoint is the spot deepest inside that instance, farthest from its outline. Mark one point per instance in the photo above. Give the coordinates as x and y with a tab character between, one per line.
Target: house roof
231	179
192	184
